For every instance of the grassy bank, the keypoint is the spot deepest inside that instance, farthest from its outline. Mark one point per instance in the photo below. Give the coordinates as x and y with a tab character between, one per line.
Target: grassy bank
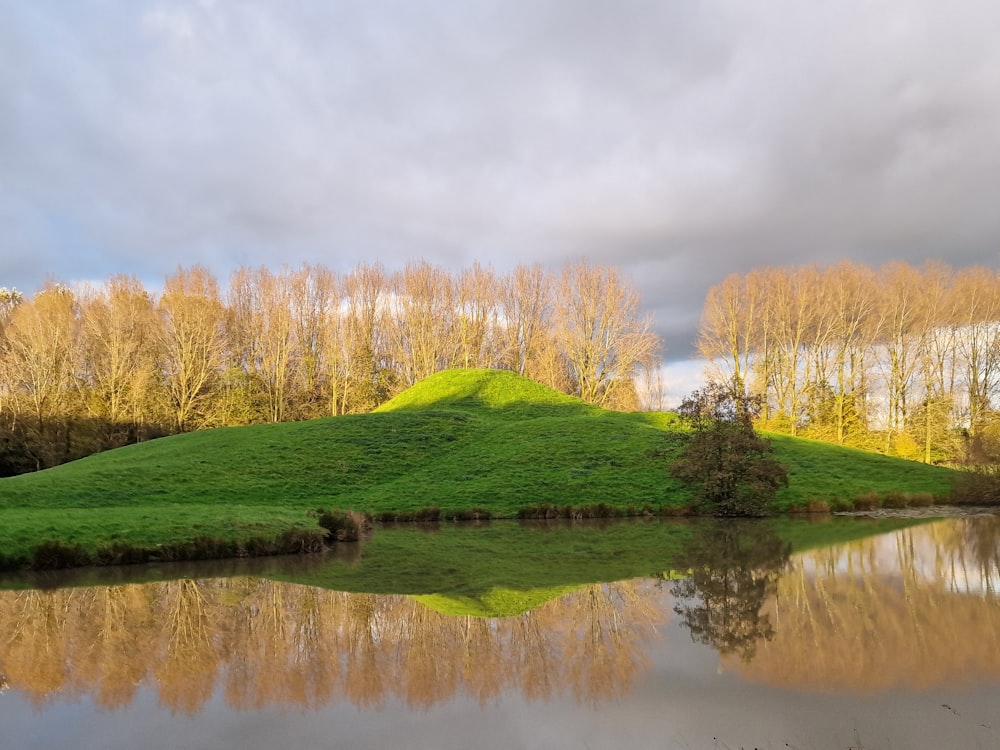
460	441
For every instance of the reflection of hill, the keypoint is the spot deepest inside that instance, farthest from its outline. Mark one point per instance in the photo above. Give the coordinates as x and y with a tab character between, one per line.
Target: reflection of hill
916	608
494	569
501	562
265	643
497	602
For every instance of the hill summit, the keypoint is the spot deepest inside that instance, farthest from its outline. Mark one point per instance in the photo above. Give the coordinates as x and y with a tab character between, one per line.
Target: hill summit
479	389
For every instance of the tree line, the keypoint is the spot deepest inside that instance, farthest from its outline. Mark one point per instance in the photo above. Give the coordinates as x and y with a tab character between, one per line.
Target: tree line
903	359
82	370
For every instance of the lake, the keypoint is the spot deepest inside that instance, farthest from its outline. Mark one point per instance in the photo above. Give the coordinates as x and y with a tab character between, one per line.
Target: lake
833	633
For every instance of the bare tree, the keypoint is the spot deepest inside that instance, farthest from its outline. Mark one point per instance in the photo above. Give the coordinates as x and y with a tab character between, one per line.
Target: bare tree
601	331
730	328
854	296
192	343
38	363
978	340
790	298
367	370
526	316
9	300
261	322
931	420
118	330
315	300
423	315
903	317
477	294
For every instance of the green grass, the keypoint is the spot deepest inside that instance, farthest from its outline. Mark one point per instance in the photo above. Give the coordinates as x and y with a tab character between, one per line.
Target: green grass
460	439
838	475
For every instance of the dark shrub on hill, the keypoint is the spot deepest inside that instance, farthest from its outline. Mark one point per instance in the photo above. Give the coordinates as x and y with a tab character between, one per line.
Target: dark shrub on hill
728	466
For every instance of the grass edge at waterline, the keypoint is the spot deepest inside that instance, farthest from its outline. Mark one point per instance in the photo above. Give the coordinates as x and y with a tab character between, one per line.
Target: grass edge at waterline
460	444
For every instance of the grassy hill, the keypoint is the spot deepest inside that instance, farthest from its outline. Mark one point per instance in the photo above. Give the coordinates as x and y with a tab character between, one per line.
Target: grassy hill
459	440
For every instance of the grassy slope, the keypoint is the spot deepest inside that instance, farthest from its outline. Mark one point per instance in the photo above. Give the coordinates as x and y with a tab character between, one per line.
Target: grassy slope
458	440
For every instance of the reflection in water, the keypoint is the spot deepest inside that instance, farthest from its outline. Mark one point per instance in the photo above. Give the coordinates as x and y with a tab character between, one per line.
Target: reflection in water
734	568
918	607
266	643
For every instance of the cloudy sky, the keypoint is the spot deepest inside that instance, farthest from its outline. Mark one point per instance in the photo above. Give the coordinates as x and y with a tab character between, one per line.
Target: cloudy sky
678	139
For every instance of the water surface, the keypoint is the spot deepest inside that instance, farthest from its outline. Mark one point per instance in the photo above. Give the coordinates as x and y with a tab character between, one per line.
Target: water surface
735	635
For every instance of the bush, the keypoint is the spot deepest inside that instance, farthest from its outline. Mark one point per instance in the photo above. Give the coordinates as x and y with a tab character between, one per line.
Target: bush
727	465
817	506
343	525
868	501
473	514
432	513
53	555
978	486
541	511
120	553
600	510
300	541
895	500
200	548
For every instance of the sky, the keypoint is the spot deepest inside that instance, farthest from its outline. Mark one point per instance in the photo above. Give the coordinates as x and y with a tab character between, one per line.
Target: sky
679	140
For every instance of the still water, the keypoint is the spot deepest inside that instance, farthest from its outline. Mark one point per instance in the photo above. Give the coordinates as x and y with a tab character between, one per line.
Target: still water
735	635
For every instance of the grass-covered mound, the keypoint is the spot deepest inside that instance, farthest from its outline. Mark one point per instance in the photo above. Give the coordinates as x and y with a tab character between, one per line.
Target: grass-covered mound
459	441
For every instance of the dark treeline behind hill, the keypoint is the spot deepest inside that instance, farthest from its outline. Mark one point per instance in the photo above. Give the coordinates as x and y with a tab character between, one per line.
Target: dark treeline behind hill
86	370
899	359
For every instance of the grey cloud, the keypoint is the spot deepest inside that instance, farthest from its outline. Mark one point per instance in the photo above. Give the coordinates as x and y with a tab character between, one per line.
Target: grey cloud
682	141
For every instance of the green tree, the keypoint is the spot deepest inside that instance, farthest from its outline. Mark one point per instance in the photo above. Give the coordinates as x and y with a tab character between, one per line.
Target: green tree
728	466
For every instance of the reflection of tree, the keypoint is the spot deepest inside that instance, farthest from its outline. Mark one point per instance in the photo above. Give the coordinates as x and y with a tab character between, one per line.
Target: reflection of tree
605	654
187	674
117	616
365	684
269	643
734	568
913	608
540	642
983	535
916	607
34	641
